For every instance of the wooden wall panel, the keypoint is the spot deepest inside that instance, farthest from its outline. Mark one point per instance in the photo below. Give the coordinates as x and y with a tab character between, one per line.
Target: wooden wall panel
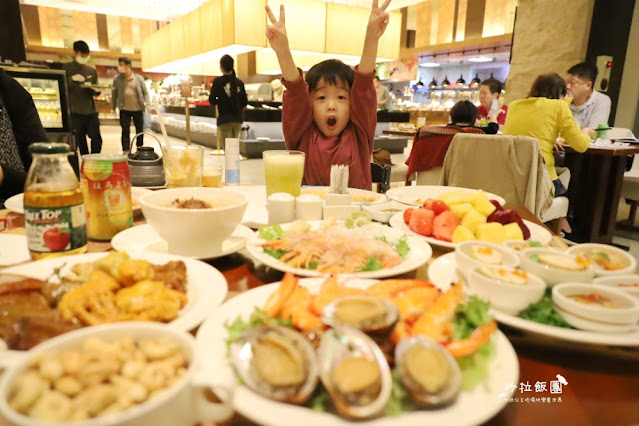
85	28
126	33
103	32
424	21
31	24
51	27
495	18
460	28
475	19
445	21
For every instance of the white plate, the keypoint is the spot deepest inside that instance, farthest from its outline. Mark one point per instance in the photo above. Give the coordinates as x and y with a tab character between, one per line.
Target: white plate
16	203
360	196
419	253
537	233
470	408
206	286
442	272
13	249
143	239
411	194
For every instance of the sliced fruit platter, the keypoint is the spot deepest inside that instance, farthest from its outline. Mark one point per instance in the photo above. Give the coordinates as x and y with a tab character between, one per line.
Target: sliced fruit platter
316	351
457	216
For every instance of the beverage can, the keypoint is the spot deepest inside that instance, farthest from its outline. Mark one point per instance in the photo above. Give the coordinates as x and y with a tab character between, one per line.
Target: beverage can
106	184
55	216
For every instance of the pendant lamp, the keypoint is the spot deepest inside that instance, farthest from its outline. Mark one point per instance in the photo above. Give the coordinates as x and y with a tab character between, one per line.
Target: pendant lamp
475	81
433	84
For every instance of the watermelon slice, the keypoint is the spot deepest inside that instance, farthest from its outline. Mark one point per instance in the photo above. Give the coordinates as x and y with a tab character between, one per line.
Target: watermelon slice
444	226
437	206
421	222
407	214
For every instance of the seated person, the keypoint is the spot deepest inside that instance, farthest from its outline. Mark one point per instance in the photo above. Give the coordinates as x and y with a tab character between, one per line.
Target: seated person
544	115
589	108
489	92
464	114
20	126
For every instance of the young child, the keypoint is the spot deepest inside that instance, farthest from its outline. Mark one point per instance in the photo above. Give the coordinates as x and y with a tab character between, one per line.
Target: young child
332	116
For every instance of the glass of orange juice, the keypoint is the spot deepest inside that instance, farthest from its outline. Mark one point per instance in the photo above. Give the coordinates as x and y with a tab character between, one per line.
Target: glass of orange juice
283	171
212	175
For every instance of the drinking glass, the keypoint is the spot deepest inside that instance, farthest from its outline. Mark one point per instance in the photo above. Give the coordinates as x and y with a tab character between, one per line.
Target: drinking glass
183	165
283	171
212	175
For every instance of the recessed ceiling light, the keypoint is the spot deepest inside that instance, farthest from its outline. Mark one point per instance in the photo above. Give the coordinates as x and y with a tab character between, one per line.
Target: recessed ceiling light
429	64
481	59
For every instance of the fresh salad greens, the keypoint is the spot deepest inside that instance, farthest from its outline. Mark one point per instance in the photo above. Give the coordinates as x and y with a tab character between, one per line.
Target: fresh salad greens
276	253
543	312
270	233
357	219
372	264
474	368
401	246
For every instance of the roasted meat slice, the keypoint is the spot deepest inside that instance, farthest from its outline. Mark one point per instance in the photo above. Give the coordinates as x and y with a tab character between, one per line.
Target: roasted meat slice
172	274
28	331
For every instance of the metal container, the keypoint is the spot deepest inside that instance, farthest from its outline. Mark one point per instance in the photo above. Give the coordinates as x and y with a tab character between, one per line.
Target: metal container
146	166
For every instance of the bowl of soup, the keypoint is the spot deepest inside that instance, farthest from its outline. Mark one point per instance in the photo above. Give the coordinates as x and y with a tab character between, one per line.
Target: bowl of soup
595	307
194	221
469	254
509	290
555	267
606	260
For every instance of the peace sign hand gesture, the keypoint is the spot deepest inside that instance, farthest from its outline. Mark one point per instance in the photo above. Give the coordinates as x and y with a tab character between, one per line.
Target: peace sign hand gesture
378	20
276	33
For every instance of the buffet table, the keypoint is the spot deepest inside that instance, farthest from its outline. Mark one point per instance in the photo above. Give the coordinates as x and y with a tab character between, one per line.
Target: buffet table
603	382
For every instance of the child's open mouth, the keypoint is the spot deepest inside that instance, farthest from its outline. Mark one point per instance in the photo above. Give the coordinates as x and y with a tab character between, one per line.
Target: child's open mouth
331	122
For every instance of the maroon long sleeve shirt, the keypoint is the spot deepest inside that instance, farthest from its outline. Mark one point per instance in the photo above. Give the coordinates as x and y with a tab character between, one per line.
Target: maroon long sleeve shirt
352	147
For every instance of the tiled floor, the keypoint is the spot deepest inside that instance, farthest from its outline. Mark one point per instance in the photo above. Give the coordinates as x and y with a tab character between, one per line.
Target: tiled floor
252	172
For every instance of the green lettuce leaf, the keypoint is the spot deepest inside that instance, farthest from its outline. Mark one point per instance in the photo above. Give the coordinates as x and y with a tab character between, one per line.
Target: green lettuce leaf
372	264
276	253
469	316
544	313
269	233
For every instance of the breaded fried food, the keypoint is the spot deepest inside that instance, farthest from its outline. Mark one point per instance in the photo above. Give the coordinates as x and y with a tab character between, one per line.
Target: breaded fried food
172	274
93	302
132	271
150	301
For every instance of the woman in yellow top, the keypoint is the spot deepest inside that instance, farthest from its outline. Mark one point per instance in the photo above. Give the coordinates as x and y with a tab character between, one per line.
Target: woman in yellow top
544	116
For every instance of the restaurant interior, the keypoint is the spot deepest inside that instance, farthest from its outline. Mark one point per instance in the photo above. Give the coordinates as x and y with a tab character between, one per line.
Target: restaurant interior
189	235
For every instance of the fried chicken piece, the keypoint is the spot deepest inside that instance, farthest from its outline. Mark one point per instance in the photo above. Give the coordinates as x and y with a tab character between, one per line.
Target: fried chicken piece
132	271
93	302
21	285
172	274
149	301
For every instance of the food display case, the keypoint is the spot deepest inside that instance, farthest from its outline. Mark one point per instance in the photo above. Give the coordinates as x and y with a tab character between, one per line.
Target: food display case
49	91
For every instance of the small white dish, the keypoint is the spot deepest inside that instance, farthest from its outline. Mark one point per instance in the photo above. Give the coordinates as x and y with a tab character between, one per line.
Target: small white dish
262	138
509	290
384	211
595	316
13	249
626	283
143	239
552	274
603	255
469	254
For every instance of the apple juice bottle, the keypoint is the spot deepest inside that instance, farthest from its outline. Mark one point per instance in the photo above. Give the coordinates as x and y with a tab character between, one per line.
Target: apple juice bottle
54	212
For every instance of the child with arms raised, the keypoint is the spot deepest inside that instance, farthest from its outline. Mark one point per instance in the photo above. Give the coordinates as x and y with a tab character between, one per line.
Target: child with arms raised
332	115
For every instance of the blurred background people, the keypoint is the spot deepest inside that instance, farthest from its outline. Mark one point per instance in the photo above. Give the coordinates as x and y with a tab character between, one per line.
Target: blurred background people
544	115
383	96
278	90
131	97
464	114
227	92
489	92
20	126
589	107
84	114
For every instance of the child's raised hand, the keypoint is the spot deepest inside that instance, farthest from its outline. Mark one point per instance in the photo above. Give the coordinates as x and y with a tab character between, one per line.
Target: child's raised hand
276	33
378	20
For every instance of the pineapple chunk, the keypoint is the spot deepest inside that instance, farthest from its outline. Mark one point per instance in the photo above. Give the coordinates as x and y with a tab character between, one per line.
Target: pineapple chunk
460	209
512	231
462	234
482	204
472	219
491	232
455	197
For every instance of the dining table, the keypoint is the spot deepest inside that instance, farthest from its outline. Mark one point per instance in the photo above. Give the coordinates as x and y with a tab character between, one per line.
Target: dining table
602	381
595	189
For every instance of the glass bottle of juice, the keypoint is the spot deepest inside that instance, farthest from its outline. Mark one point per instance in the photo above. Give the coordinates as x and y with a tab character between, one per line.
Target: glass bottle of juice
55	216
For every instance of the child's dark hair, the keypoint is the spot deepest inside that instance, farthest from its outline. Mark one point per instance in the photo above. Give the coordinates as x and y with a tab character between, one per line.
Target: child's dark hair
332	71
463	112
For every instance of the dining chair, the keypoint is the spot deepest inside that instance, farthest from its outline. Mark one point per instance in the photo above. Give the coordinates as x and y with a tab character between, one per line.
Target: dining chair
630	188
381	175
509	166
428	152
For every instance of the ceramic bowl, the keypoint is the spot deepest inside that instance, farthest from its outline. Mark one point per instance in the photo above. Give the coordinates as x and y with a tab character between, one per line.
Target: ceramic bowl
194	232
509	290
606	260
553	274
182	403
627	283
466	260
596	316
384	211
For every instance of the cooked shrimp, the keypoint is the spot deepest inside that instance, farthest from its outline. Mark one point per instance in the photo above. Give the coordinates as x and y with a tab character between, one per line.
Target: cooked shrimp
277	299
413	302
470	345
330	291
436	321
389	289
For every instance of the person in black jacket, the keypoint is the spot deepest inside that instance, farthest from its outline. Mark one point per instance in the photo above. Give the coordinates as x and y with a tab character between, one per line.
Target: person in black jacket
20	126
464	114
227	92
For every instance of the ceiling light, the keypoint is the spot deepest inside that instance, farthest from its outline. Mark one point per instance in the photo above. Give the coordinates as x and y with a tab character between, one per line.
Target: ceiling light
429	64
481	59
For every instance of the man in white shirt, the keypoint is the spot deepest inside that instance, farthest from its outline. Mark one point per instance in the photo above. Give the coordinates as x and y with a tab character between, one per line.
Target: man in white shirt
589	107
